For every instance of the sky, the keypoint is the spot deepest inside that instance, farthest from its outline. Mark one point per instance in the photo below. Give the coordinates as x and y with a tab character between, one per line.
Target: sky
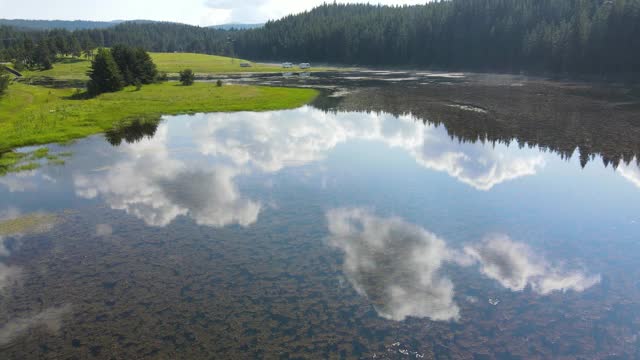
194	12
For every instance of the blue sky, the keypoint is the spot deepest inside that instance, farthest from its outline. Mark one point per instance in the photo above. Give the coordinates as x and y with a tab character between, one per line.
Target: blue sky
195	12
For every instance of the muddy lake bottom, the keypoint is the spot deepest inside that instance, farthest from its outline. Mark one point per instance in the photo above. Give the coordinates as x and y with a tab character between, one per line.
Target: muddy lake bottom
401	215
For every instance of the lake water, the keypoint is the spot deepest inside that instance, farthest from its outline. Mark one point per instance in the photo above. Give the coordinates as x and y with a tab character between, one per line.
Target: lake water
381	222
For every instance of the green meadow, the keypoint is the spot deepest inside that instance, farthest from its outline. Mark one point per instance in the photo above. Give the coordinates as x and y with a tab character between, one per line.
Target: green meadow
34	115
171	63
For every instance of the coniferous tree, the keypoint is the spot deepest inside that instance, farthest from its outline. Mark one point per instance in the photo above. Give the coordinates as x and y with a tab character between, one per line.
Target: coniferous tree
5	79
136	66
75	48
42	57
104	74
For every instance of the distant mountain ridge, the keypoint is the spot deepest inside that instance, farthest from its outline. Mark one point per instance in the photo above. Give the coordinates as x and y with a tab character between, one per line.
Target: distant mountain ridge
236	26
58	24
72	25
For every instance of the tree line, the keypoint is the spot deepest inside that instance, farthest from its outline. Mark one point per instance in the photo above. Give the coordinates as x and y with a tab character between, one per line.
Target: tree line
568	36
576	36
39	49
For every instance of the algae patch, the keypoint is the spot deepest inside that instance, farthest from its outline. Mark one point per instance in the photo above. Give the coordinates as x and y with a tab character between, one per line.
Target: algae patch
28	224
15	161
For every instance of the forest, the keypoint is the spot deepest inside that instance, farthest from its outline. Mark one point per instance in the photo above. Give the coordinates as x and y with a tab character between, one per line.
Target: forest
559	36
573	36
40	48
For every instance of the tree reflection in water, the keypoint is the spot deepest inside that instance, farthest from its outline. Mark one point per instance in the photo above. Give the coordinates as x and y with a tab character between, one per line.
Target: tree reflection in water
132	131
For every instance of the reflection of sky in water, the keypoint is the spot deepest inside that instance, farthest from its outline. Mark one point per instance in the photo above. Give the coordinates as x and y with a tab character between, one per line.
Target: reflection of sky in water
272	141
398	265
408	207
152	185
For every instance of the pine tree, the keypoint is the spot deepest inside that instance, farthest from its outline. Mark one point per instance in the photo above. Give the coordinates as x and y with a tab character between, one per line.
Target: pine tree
4	80
136	66
75	48
104	74
42	56
146	70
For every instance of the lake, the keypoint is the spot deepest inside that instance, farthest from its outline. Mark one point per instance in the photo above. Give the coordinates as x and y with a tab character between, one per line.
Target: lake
401	215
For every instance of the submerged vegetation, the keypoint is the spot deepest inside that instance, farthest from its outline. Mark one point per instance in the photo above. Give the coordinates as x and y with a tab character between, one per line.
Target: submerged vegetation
28	224
13	161
38	115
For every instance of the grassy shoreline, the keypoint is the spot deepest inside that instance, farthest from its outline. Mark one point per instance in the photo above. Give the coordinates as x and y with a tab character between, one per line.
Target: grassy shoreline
171	63
35	115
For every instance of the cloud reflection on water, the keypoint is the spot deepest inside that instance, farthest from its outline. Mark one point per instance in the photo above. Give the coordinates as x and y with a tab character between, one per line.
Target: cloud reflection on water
397	265
154	186
50	318
274	140
149	181
515	266
631	172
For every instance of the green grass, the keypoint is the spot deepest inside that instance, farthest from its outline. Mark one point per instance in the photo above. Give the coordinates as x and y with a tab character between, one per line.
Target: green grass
65	69
31	115
172	63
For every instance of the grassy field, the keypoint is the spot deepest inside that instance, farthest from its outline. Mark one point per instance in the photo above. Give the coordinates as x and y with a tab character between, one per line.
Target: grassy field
172	63
37	115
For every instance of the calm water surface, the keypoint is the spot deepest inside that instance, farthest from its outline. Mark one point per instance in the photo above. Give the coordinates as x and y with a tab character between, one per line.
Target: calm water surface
325	232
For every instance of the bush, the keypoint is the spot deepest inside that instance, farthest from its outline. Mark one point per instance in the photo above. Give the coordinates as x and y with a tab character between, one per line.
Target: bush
219	83
19	66
162	77
187	77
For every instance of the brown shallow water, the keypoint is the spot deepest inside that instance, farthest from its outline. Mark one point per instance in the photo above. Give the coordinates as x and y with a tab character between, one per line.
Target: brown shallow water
441	217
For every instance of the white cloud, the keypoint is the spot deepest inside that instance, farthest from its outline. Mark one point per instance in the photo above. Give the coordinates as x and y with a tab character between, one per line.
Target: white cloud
258	11
394	264
9	275
19	182
50	318
151	185
195	12
397	265
477	164
275	140
630	172
515	266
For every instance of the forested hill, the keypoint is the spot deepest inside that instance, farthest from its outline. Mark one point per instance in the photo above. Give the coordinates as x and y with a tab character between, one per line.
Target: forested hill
58	24
567	36
18	45
580	36
236	26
